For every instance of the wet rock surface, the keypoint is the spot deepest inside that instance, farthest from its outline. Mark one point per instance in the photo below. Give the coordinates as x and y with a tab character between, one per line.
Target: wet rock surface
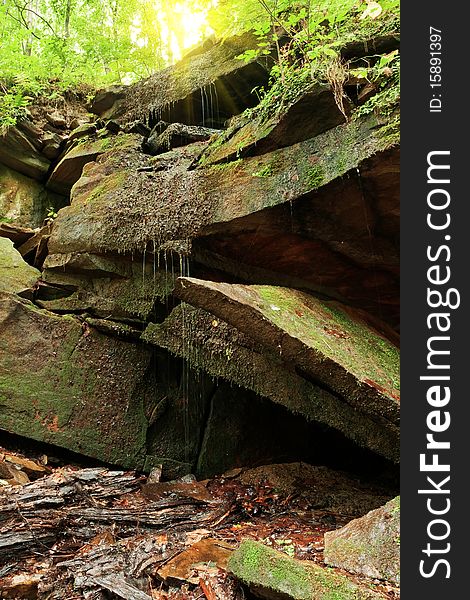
207	87
230	301
76	380
175	135
76	531
18	152
16	276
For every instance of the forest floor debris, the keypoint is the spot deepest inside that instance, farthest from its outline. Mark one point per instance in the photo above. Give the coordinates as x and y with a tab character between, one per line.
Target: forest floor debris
68	532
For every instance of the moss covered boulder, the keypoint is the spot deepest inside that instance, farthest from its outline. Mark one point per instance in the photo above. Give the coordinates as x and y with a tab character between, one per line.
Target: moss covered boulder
69	169
272	575
312	113
21	154
241	216
116	287
64	383
208	83
369	545
16	275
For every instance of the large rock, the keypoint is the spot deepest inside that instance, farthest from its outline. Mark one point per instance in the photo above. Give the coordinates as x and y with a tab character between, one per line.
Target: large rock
107	101
274	576
292	198
332	344
176	135
23	200
211	345
69	170
369	545
64	383
313	112
205	88
18	153
16	276
106	286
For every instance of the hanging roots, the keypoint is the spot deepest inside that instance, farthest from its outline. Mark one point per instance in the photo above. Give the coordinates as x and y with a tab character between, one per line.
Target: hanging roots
336	74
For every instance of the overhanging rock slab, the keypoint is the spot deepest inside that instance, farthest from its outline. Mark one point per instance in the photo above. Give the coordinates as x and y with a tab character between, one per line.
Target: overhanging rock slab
210	82
211	345
325	340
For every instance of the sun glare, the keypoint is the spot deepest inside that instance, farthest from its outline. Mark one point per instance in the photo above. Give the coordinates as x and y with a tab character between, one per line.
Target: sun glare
184	26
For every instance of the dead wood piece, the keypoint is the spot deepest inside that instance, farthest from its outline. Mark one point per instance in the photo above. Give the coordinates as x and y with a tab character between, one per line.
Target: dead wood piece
33	469
116	584
14	541
219	586
184	567
154	515
20	586
64	486
194	490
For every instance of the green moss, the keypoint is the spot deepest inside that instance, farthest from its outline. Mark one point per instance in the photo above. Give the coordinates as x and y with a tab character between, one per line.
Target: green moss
315	177
109	184
326	327
261	567
265	171
67	397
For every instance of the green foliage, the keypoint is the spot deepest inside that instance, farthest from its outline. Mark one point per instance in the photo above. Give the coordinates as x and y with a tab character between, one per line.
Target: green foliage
12	106
50	46
307	37
51	213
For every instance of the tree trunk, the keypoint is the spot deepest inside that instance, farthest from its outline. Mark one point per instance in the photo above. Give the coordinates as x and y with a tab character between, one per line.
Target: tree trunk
68	12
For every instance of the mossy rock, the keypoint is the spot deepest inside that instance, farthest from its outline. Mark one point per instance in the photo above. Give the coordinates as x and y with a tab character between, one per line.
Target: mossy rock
18	153
273	575
211	345
23	200
331	342
313	113
369	545
69	169
15	274
213	70
64	383
181	204
116	287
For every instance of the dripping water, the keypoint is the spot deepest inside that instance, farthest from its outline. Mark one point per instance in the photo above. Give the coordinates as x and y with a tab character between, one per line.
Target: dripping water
371	244
189	374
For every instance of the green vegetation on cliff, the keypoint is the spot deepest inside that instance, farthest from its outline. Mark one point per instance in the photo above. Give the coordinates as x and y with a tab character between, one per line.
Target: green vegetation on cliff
51	46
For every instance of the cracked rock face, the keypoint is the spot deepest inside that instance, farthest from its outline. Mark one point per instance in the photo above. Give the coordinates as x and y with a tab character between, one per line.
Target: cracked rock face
16	275
249	278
